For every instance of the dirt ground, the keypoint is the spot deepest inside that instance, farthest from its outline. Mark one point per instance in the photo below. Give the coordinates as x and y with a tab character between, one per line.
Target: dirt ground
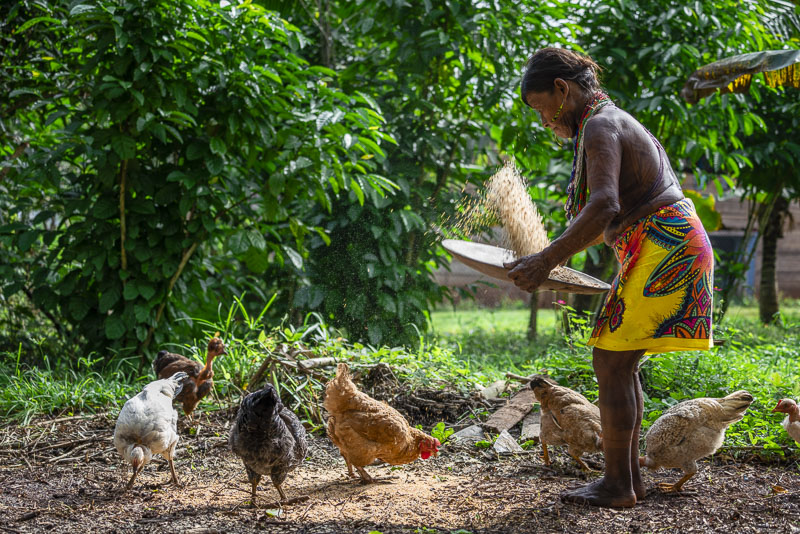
63	475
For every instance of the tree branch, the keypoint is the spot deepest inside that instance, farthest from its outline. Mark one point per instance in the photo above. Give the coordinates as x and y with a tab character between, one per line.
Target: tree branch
184	260
123	176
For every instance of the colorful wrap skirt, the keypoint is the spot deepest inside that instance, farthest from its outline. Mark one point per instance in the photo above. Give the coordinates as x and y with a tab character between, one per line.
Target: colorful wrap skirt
661	300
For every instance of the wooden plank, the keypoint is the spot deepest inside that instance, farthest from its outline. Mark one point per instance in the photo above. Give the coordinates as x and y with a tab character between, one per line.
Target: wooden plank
511	414
532	426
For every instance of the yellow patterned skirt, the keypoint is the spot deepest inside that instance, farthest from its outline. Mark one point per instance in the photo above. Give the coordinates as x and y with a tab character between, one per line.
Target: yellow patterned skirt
661	300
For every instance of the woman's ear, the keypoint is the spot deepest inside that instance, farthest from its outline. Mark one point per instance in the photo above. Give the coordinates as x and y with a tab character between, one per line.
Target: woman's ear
561	86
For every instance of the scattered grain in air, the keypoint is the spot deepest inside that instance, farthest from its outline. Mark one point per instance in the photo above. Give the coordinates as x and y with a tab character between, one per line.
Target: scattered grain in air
505	201
507	194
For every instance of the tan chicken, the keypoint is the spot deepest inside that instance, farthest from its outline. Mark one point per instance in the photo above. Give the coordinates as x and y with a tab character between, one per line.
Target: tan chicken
198	383
792	420
568	418
365	429
691	430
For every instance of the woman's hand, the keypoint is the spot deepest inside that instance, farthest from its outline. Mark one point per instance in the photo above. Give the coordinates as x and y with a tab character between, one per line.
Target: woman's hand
530	272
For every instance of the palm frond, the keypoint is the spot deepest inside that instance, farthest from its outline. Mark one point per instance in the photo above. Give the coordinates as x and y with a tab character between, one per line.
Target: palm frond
734	74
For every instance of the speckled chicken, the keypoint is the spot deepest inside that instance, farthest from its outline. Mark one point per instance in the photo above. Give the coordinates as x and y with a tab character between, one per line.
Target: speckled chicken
147	425
198	382
691	430
268	437
365	429
567	418
791	423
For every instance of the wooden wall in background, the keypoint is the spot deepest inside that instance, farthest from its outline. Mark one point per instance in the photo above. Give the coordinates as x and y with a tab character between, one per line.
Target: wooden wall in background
493	292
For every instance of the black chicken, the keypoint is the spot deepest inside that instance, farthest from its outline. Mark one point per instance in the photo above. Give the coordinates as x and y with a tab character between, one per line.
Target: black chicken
268	438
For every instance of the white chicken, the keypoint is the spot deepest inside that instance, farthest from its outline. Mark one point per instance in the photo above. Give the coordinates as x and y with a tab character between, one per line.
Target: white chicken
147	425
792	420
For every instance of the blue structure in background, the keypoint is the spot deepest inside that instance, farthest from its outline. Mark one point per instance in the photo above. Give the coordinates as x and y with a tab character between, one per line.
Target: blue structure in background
726	243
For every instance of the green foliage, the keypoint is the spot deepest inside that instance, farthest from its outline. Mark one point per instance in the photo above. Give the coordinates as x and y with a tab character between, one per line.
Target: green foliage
710	217
63	387
158	144
445	75
162	157
440	432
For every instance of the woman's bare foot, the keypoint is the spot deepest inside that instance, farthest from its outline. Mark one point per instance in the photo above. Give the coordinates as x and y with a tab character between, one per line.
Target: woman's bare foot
598	493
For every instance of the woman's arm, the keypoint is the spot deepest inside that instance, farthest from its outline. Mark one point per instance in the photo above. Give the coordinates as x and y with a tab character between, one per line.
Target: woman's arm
603	160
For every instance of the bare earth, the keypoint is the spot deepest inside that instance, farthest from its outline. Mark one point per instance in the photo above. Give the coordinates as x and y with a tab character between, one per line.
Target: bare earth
65	476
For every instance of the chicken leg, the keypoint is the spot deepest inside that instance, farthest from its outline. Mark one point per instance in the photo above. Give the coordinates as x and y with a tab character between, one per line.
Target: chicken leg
349	468
546	455
254	478
582	464
133	477
365	478
170	455
676	487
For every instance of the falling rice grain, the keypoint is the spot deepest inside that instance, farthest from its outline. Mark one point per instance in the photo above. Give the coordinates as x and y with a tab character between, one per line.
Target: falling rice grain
508	198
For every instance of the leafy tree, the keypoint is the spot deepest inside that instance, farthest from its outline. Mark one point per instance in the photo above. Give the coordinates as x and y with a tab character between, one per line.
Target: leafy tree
160	140
446	76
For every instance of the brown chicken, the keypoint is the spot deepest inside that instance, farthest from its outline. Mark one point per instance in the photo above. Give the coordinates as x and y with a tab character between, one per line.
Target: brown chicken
691	430
568	418
792	420
198	383
365	429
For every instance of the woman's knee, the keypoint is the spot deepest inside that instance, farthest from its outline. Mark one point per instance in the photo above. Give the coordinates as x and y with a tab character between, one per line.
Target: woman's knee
615	363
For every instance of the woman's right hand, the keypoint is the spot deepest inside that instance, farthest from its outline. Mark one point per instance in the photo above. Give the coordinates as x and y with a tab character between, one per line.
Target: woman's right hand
529	272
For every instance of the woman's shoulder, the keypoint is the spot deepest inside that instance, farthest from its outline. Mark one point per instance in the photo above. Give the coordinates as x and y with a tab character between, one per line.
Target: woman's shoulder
608	123
616	122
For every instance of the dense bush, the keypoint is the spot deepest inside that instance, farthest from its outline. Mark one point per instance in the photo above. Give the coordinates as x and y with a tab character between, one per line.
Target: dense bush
166	152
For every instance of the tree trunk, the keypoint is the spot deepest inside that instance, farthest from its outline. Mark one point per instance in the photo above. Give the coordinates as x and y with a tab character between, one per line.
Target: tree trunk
532	321
768	306
587	304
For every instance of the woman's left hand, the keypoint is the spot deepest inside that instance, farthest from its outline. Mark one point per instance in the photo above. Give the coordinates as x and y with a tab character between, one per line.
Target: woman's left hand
530	272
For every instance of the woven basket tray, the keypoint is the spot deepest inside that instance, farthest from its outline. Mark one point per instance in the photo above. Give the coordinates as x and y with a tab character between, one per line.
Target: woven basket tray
489	260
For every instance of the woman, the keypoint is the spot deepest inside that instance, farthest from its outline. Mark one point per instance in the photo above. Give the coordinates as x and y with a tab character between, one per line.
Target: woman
624	192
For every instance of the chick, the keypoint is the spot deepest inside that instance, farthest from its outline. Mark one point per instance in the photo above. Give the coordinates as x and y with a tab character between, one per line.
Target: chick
691	430
147	425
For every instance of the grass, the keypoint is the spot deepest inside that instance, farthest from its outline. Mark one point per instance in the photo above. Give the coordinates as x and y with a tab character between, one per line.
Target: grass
464	349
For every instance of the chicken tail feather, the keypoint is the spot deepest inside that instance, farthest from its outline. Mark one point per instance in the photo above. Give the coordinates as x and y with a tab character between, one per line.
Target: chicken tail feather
340	389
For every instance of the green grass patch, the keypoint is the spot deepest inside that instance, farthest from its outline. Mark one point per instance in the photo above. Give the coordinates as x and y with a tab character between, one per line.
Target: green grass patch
464	350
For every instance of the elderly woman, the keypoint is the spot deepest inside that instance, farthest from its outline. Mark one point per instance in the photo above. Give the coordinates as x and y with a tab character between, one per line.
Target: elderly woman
624	192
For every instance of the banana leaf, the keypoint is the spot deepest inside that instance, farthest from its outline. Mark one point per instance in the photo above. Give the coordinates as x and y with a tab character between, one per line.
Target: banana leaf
734	74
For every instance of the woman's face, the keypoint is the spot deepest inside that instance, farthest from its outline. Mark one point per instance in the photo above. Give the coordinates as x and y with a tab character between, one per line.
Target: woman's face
552	108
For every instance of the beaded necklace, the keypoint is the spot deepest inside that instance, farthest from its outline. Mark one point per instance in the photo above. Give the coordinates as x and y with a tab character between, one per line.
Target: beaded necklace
577	192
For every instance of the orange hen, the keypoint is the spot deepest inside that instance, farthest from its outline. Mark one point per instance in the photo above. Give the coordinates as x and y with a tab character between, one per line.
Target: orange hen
366	430
198	383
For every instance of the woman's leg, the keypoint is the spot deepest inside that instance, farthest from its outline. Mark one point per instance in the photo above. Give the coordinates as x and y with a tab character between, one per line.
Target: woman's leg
620	417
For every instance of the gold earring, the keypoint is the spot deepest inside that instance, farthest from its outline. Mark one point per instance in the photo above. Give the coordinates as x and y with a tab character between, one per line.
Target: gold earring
557	139
558	113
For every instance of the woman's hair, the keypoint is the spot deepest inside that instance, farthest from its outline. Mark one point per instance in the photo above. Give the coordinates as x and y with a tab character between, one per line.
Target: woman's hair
547	64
